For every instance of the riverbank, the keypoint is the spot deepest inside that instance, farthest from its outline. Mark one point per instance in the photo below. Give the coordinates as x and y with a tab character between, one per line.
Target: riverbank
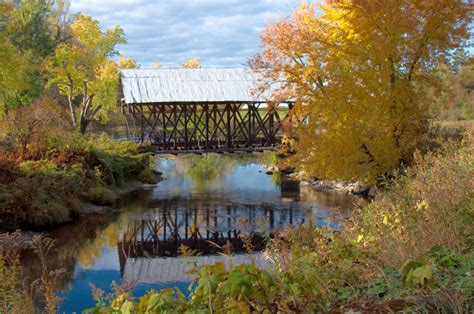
46	182
353	188
25	238
441	132
116	193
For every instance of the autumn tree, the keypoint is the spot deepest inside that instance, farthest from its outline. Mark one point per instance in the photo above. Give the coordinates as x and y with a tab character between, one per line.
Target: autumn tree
127	63
192	64
11	63
452	97
358	72
35	28
12	73
85	72
29	32
157	65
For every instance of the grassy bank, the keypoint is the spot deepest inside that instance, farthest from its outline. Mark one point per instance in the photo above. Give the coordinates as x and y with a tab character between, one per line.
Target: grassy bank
48	173
410	249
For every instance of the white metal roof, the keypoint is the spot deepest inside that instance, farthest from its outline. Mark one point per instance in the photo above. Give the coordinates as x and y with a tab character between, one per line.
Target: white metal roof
190	85
162	269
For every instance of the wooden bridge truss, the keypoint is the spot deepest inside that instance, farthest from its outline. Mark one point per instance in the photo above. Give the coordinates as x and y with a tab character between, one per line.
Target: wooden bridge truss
210	127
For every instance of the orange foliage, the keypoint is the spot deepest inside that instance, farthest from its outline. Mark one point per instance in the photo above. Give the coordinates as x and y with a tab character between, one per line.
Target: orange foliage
29	131
358	72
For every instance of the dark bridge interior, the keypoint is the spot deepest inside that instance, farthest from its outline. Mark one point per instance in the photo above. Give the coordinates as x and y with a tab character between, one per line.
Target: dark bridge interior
188	127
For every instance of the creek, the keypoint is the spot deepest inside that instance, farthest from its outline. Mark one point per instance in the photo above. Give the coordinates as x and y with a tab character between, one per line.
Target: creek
203	202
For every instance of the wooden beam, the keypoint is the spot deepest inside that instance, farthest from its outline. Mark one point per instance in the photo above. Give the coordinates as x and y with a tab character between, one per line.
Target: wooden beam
216	150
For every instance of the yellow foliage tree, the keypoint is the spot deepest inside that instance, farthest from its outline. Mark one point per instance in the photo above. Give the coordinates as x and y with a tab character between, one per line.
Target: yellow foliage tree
192	64
358	71
12	73
127	63
84	71
13	66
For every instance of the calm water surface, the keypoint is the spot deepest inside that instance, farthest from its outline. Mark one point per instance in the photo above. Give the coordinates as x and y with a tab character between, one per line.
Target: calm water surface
218	198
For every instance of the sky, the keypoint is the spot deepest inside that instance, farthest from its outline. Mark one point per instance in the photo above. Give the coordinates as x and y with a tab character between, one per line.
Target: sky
219	32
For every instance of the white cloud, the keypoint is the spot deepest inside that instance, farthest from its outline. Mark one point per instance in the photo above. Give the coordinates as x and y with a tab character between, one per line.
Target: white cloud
219	32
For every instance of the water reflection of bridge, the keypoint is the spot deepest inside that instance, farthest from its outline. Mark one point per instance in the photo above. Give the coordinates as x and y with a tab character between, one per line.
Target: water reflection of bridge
204	230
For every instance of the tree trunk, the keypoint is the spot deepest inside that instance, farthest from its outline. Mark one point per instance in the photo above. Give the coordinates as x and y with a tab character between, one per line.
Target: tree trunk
70	102
84	123
72	113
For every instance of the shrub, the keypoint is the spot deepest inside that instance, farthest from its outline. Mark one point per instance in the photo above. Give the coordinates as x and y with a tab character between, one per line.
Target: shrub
148	175
46	171
437	281
100	195
28	131
42	195
9	170
116	161
13	295
425	207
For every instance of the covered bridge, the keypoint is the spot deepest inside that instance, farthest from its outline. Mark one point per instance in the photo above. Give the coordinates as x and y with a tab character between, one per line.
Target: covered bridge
199	110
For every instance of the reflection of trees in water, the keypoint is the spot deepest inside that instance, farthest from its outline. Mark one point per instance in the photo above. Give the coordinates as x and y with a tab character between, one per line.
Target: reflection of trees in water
74	242
211	167
83	242
276	178
330	199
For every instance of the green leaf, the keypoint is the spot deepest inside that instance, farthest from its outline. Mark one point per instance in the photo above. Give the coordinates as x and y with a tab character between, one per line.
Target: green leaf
153	302
422	275
128	307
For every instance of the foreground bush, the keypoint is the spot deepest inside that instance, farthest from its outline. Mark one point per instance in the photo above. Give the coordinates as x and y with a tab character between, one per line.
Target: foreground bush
411	249
437	282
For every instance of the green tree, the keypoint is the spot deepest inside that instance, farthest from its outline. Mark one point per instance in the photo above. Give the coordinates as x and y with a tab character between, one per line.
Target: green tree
12	64
35	28
84	71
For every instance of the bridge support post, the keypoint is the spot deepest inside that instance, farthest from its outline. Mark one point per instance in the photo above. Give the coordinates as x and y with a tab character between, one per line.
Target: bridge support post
141	124
175	125
271	127
249	126
206	108
229	133
186	140
163	116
